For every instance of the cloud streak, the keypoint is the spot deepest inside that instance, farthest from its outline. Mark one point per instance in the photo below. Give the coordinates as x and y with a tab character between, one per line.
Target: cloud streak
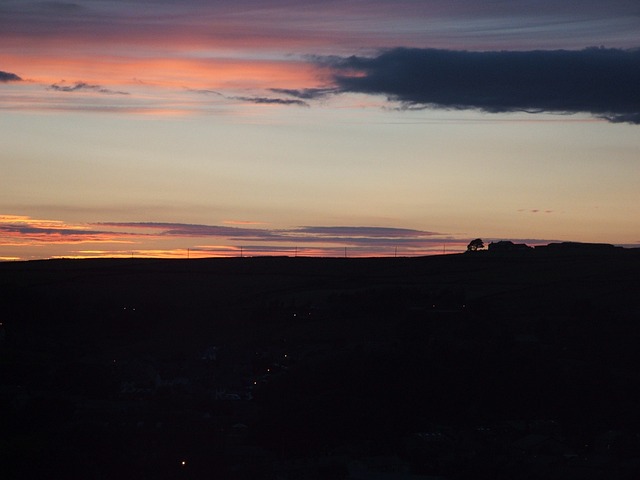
190	230
343	235
271	101
306	93
83	86
256	100
22	230
602	82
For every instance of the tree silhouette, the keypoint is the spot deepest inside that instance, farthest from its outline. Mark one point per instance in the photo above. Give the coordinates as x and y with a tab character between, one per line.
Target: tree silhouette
475	245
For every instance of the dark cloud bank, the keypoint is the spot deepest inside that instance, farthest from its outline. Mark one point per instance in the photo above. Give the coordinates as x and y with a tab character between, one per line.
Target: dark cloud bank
599	81
9	77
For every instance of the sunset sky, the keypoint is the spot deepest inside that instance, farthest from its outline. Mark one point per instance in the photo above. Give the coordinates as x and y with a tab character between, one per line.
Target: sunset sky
381	127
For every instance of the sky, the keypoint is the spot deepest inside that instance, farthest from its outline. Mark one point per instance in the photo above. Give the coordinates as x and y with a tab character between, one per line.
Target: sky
204	128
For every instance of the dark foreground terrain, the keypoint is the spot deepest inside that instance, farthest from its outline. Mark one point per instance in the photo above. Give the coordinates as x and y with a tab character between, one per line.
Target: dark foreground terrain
480	366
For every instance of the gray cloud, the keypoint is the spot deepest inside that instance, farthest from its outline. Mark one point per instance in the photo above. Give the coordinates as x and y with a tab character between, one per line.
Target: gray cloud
602	82
9	77
258	100
191	230
271	101
204	91
306	93
84	86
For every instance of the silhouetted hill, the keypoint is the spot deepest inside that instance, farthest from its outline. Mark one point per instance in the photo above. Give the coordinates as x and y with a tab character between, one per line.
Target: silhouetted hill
179	290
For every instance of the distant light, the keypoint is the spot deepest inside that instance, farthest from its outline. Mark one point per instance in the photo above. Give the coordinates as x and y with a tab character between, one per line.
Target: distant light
183	463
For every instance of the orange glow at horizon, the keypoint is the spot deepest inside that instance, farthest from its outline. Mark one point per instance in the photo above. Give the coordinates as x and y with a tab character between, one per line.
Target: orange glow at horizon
178	253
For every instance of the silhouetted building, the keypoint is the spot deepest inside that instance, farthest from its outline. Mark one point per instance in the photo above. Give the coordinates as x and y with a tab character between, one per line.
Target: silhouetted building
507	246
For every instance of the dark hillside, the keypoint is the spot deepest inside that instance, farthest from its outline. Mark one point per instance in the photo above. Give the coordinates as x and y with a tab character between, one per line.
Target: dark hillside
495	366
